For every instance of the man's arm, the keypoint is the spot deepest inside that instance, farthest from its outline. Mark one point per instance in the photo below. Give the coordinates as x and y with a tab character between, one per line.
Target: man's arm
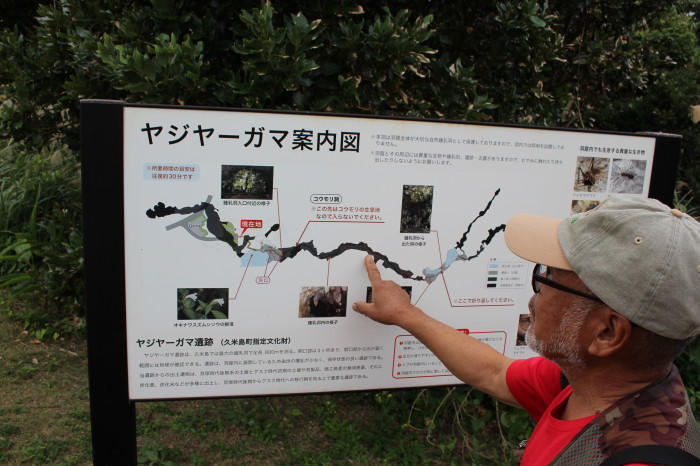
470	360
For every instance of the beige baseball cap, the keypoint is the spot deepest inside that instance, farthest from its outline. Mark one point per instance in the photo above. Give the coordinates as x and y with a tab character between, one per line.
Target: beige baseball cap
639	256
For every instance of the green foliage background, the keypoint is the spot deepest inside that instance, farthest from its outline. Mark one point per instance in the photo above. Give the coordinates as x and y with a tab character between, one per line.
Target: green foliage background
604	64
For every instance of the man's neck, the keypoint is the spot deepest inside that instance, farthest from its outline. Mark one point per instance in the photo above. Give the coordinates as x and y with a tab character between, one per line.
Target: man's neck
594	389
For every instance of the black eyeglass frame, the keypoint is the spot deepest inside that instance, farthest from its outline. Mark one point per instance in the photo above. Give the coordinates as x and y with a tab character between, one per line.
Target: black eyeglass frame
536	277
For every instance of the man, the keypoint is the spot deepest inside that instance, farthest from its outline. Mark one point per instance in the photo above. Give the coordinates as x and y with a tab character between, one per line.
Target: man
616	300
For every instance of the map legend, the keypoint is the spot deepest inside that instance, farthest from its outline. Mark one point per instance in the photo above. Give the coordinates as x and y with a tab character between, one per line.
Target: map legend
507	275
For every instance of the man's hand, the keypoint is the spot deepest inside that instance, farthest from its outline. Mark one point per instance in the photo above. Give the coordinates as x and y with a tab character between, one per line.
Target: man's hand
472	361
390	304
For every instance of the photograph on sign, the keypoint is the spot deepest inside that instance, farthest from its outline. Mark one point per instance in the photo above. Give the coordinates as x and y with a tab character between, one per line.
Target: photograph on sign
245	234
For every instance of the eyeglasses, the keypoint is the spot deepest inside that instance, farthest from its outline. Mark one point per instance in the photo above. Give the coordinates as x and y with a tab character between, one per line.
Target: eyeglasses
539	275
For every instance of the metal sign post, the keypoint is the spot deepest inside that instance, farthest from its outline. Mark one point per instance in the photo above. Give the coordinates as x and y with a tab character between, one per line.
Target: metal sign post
112	413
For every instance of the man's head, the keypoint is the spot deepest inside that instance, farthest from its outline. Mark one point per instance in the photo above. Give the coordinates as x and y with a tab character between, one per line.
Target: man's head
640	258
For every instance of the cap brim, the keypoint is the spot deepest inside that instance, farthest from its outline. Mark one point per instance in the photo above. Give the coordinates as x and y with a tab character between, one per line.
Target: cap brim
535	238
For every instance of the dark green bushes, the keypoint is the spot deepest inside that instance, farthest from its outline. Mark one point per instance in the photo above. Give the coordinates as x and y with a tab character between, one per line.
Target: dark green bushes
41	236
605	65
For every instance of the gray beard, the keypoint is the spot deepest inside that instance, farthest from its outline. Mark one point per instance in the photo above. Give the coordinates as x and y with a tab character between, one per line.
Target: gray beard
562	346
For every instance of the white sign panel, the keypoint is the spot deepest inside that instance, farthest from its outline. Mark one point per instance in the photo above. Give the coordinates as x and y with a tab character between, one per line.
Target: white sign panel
245	235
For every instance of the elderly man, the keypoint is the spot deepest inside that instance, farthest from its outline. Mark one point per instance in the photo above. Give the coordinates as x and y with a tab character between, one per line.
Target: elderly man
616	300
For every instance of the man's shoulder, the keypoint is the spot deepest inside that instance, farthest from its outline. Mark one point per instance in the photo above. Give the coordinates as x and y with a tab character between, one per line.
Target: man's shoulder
659	414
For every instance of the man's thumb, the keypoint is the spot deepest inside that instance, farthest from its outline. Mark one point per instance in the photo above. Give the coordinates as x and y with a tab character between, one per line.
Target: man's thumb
362	307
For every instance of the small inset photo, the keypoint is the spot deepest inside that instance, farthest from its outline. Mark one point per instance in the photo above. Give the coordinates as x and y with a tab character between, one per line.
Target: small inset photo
591	174
202	303
323	301
580	206
246	182
523	325
416	209
407	289
627	176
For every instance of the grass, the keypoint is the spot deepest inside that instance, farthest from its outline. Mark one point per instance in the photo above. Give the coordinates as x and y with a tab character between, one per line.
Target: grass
44	410
45	419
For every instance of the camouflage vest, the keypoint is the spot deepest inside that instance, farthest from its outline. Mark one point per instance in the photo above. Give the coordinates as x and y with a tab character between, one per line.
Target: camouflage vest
659	414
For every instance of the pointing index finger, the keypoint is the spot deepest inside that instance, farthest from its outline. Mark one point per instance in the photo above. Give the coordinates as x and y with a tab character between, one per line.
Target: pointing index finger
372	270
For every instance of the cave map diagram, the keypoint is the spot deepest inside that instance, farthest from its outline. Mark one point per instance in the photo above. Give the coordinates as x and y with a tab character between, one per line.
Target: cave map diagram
245	234
203	222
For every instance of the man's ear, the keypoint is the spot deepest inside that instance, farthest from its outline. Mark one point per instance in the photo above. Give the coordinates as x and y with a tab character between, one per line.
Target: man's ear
609	332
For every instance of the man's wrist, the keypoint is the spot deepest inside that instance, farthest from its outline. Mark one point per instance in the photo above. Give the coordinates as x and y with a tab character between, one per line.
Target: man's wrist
412	318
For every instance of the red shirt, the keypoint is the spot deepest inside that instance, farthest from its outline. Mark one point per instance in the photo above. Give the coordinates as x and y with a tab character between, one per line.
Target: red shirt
535	384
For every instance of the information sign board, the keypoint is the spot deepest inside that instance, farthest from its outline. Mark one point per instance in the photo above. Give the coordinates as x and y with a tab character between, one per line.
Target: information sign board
244	234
